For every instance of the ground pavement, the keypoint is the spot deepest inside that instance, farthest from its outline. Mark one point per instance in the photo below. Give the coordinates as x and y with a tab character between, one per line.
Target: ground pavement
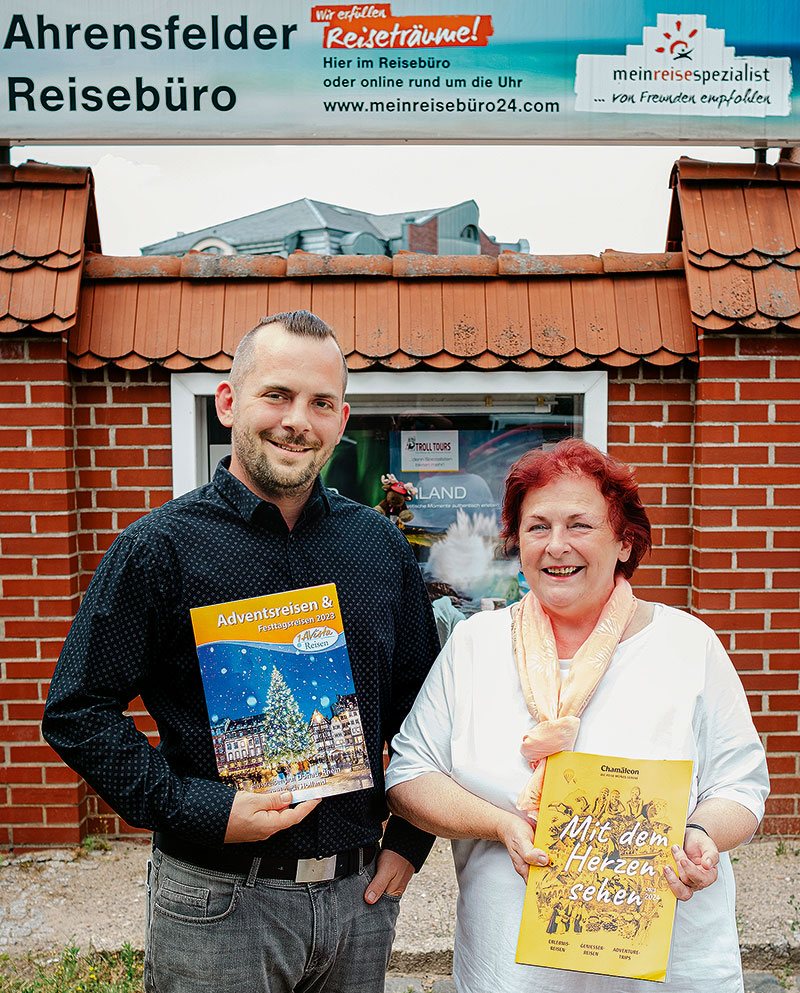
95	899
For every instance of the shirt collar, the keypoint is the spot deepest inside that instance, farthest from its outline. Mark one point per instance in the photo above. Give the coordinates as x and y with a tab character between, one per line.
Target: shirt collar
254	510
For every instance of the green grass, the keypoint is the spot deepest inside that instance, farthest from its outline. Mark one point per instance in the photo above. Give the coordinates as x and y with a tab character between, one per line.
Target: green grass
98	972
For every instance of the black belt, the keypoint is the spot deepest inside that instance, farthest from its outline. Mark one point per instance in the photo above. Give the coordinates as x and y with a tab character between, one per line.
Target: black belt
238	863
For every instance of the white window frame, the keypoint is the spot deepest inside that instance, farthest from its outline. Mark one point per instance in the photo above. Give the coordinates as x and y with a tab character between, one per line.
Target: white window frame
188	389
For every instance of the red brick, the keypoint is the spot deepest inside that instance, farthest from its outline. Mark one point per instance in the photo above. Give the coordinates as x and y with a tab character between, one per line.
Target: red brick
144	478
113	457
771	681
730	539
787	412
767	599
781	765
39	545
769	345
61	774
144	394
785	826
62	815
748	661
735	580
20	774
784	620
158	415
786	580
47	836
703	600
631	413
775	722
766	560
712	475
769	475
767	639
22	754
19	732
22	372
719	344
738	621
787	456
117	415
17	649
707	391
769	390
21	815
788	368
16	567
771	433
736	369
159	456
715	434
783	742
680	412
24	712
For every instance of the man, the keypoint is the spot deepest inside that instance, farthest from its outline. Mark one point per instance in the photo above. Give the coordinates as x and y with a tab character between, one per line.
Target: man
230	905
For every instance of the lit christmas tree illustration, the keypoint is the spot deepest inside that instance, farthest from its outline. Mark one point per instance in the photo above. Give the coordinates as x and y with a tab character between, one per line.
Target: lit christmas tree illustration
285	728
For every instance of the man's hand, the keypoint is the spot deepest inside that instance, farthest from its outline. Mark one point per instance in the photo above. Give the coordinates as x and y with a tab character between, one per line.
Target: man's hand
392	876
257	816
696	865
516	833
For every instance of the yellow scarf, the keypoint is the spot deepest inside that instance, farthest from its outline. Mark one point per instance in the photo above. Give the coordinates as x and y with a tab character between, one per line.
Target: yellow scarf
557	708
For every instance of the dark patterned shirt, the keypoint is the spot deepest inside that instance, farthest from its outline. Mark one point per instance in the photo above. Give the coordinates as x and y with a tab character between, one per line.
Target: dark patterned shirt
133	636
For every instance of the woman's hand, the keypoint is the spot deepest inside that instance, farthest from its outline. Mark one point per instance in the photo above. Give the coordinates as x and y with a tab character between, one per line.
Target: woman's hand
696	864
516	834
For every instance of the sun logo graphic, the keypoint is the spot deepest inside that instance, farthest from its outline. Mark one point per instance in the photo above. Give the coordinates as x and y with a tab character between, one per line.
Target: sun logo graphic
678	47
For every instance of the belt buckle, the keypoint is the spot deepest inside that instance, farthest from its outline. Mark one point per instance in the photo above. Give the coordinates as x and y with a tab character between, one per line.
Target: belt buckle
315	870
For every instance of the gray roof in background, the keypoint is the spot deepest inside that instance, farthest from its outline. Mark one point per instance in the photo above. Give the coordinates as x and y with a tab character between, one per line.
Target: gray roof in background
300	215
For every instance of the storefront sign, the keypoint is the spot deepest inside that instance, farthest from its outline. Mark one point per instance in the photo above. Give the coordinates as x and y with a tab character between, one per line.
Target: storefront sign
429	451
477	70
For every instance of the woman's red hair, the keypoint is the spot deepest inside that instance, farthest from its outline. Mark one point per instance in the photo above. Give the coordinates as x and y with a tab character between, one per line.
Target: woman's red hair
616	482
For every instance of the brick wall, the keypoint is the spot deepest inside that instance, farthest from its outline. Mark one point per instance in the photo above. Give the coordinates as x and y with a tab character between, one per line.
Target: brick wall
650	425
715	448
123	460
745	558
41	801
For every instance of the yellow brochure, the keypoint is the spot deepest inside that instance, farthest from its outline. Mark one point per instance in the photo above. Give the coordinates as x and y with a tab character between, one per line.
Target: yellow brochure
279	690
603	905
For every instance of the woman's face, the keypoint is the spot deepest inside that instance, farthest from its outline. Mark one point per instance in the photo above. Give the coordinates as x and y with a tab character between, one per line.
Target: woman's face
567	548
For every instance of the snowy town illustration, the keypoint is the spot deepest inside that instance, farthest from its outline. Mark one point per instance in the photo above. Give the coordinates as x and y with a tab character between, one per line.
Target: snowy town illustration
282	719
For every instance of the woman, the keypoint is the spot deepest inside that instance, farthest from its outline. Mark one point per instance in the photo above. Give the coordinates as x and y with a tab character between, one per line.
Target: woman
666	690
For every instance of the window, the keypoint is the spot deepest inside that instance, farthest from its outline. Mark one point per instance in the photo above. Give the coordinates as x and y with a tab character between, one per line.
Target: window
451	435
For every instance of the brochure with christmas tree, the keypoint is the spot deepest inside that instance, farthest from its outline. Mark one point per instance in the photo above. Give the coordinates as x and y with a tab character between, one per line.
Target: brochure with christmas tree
280	694
603	904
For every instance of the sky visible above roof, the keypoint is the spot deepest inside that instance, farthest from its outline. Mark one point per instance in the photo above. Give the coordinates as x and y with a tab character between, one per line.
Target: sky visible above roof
564	200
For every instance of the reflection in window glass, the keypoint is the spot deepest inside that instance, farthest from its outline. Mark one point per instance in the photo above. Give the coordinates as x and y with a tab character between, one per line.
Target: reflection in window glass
457	463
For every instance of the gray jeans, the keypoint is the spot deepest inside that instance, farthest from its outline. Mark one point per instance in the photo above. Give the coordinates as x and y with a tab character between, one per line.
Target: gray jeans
220	933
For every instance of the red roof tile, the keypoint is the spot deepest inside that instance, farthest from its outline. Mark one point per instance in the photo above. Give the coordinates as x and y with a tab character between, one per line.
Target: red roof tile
573	313
47	219
741	242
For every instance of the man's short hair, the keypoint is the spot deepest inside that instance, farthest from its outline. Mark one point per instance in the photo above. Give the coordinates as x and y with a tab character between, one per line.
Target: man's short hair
300	322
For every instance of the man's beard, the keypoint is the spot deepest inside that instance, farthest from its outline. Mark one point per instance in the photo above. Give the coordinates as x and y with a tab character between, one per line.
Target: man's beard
274	479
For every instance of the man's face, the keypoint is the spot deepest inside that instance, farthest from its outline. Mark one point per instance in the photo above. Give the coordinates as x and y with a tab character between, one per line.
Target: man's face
287	415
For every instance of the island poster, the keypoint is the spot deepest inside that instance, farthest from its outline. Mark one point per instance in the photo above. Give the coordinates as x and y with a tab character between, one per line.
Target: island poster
602	905
280	695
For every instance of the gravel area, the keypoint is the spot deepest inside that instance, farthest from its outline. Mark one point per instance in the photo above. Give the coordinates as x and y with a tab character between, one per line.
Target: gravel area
48	899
